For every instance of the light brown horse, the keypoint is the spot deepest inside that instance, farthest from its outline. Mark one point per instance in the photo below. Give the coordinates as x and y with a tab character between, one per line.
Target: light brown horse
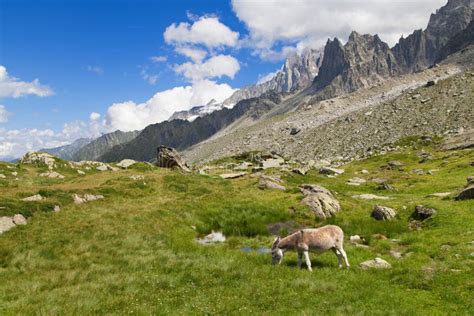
316	240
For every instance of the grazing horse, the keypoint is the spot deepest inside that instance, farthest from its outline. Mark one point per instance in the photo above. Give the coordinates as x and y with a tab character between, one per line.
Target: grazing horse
317	240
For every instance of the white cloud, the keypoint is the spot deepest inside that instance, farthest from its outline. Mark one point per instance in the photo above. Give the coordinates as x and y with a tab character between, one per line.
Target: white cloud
214	67
13	87
158	59
195	54
310	22
207	31
94	116
95	69
4	114
150	78
128	116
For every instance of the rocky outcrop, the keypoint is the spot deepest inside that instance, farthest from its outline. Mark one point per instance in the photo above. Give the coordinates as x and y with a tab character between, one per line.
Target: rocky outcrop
38	158
168	157
103	144
320	200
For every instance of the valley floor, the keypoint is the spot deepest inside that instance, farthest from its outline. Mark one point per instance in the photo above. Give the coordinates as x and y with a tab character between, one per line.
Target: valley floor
135	251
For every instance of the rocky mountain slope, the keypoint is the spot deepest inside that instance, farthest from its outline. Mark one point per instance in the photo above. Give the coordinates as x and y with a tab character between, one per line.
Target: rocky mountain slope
101	145
68	151
182	134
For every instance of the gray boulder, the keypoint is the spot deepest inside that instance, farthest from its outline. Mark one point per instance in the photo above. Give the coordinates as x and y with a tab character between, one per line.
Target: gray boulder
330	171
19	219
6	223
377	263
467	193
125	163
320	201
267	182
421	212
383	213
169	157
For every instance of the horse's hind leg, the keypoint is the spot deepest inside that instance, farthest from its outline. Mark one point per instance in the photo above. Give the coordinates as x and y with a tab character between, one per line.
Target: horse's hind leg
339	256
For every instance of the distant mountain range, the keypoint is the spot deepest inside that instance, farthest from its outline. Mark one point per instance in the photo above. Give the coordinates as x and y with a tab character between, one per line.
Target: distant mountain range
67	152
363	61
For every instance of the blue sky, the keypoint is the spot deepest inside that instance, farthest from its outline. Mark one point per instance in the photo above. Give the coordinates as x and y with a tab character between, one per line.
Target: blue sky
96	56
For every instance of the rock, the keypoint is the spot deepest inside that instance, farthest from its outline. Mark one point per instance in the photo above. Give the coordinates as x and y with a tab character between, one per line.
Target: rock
51	174
395	254
299	171
430	83
19	219
460	141
383	213
212	238
364	171
125	163
295	131
385	186
330	171
440	194
370	197
394	164
80	172
356	239
2	176
379	180
379	236
377	263
232	175
418	171
86	198
39	158
421	213
362	246
102	167
137	177
356	181
14	173
320	201
467	193
169	157
56	209
266	182
470	180
243	166
36	197
272	163
6	223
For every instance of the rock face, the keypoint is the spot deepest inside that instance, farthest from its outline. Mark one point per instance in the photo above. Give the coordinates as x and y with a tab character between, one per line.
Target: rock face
421	213
467	193
320	201
383	213
377	263
168	157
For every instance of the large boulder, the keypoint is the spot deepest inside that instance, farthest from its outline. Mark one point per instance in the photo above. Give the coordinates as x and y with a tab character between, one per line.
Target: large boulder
39	159
320	200
19	219
125	163
267	182
421	212
170	158
467	193
383	213
6	223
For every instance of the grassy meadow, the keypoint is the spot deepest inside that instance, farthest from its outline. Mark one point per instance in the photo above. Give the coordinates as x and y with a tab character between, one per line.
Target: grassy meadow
134	252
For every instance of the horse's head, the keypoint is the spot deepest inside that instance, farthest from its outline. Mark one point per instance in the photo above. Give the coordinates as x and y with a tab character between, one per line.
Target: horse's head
277	253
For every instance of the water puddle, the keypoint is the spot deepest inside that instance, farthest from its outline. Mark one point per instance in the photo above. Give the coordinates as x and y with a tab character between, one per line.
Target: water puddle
260	250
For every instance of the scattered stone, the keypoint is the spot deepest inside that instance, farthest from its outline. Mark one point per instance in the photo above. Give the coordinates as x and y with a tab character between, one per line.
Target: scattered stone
125	163
362	246
467	193
370	197
418	171
2	176
36	197
415	225
19	219
395	254
169	157
56	209
6	223
212	238
51	174
385	186
330	171
421	213
320	201
299	171
356	239
364	171
383	213
232	175
377	263
394	164
102	167
356	181
440	194
86	198
272	163
137	177
379	180
294	131
80	172
379	236
14	173
267	182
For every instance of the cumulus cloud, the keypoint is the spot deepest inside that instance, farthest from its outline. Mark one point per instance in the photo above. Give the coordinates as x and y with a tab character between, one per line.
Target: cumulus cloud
207	31
158	59
95	69
13	87
128	116
214	67
4	114
195	54
310	22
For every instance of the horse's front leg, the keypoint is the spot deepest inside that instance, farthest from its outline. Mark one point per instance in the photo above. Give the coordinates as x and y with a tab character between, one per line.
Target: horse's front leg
300	259
308	262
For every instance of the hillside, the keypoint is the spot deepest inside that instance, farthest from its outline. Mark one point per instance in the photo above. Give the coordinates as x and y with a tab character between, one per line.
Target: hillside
135	251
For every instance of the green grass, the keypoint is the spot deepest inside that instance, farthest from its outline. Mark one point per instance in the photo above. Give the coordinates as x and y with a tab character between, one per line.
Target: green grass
135	251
